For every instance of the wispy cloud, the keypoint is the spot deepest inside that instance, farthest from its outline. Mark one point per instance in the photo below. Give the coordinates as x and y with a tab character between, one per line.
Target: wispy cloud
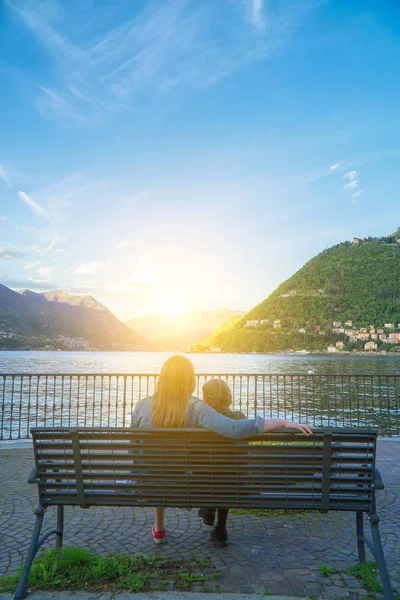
23	283
9	252
31	265
351	186
2	218
34	206
44	273
127	244
334	167
91	268
5	176
351	175
257	16
111	59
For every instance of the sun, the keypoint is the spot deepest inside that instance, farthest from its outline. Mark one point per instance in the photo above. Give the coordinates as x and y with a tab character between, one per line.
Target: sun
171	304
172	307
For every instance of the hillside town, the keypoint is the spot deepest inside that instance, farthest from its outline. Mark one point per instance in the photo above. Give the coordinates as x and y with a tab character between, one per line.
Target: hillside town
368	338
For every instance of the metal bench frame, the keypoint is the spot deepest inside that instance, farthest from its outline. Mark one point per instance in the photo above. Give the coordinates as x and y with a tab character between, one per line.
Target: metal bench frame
333	470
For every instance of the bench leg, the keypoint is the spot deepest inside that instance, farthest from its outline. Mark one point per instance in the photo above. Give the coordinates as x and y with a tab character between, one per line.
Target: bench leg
360	536
380	557
33	548
60	527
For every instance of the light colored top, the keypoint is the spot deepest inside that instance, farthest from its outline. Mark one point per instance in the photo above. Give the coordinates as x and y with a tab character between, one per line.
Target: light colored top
199	414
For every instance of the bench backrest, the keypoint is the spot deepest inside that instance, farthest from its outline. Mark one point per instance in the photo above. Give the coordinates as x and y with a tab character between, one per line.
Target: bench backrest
192	467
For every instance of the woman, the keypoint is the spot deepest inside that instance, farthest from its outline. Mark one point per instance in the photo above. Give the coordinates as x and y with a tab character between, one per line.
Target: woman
174	406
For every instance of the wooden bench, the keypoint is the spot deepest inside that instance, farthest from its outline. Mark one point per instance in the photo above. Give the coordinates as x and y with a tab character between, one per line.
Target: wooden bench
333	470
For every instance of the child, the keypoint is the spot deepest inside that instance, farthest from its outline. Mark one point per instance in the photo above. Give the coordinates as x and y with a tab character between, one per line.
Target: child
217	394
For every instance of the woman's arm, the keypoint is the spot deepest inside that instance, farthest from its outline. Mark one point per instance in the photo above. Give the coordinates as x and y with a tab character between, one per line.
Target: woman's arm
273	424
207	417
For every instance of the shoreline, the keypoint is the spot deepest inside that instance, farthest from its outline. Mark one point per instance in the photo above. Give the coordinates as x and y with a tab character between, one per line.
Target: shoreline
277	353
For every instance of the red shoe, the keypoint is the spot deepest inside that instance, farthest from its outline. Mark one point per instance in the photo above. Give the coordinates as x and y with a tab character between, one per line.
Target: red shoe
159	536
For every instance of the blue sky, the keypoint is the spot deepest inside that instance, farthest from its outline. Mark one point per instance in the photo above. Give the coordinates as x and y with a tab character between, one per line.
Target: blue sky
180	155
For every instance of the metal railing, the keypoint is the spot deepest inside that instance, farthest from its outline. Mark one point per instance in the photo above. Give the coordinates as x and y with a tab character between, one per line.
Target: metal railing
96	400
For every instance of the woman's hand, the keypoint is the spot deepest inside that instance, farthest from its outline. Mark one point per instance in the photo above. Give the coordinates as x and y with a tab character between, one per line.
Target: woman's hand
298	426
274	424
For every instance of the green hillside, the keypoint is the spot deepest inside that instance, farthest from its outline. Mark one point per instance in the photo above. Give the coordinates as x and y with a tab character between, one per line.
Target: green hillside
357	281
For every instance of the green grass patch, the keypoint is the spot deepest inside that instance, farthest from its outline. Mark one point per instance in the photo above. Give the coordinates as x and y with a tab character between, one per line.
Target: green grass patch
77	569
367	575
325	569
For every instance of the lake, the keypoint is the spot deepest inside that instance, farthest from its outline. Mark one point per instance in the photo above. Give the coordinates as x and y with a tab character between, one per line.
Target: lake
101	388
151	362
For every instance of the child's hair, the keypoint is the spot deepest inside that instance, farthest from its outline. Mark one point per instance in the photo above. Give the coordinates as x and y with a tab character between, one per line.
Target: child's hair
217	394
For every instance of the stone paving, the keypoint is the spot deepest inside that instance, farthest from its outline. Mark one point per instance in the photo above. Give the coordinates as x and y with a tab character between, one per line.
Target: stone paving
273	554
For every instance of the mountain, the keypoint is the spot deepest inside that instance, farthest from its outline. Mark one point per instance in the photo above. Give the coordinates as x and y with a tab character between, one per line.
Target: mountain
357	282
60	320
226	325
176	332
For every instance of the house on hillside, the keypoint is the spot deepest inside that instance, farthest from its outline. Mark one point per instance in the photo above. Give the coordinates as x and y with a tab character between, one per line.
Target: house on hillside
338	330
370	346
348	323
277	323
317	327
321	332
374	336
380	330
337	323
302	330
394	338
252	323
363	336
389	325
332	349
340	344
357	240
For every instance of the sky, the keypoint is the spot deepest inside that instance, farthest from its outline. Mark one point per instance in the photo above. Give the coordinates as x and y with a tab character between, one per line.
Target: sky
175	155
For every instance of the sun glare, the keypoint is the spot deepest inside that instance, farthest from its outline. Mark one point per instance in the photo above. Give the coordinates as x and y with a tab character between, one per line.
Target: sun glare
172	306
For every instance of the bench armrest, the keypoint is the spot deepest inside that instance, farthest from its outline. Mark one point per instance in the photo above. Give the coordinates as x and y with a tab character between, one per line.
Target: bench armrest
378	481
33	475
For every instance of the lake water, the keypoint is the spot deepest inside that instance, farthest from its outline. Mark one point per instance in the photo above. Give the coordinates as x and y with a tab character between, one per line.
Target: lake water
101	388
151	362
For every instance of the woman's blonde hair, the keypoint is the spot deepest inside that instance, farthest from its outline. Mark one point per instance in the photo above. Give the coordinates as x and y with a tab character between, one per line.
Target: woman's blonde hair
175	385
217	394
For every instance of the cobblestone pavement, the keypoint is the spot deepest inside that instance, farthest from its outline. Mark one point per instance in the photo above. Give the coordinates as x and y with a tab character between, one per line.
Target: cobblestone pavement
274	554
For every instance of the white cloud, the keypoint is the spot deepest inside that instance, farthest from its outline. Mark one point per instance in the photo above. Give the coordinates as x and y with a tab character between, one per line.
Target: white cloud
9	252
34	206
4	218
257	17
31	265
44	273
351	175
351	186
60	250
91	268
126	244
35	249
5	176
103	67
334	167
358	194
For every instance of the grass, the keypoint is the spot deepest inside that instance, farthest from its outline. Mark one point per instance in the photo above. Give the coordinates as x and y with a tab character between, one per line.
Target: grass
367	575
78	569
325	569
